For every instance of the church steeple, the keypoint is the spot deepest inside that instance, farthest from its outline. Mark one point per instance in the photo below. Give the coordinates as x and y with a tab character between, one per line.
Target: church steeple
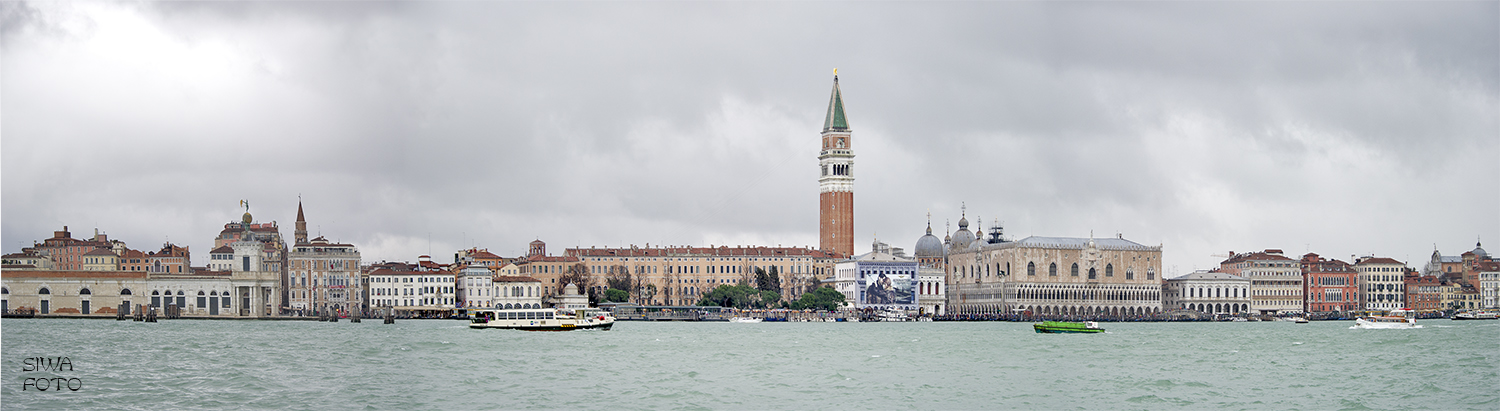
835	120
300	235
836	184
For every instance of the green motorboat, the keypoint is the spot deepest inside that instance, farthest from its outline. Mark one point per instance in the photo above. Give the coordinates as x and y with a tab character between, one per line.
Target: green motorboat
1067	327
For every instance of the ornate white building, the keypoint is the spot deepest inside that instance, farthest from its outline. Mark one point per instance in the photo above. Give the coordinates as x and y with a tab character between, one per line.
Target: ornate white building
1208	292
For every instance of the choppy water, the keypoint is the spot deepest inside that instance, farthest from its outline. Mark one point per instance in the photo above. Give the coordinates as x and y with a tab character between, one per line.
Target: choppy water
432	364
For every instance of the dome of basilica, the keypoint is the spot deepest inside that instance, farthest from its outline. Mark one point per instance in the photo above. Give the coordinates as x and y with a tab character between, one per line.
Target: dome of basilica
963	237
929	245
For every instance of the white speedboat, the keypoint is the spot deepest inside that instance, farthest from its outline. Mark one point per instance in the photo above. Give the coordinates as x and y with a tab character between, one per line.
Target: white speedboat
543	319
744	320
1400	318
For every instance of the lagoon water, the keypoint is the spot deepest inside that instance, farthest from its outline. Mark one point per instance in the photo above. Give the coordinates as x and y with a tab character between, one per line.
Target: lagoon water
434	364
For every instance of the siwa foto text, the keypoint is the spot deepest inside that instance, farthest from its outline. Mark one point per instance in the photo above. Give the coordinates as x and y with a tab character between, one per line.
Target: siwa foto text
54	365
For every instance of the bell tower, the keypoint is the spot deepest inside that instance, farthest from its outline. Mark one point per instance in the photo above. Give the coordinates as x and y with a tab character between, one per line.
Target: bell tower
836	181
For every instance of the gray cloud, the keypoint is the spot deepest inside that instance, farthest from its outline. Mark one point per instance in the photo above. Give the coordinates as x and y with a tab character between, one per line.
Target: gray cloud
415	128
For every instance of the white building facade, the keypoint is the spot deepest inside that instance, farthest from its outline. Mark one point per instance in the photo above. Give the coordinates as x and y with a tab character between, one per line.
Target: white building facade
1208	292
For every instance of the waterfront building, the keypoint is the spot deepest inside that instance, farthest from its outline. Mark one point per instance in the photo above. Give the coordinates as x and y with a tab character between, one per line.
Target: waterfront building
197	293
1489	284
1381	283
879	281
415	288
681	275
836	182
71	291
1208	292
323	275
1275	280
1424	293
258	269
1052	275
512	291
273	250
476	287
1459	295
391	285
1328	285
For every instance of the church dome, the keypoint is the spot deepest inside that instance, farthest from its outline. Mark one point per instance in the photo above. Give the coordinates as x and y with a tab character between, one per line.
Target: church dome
1479	251
929	245
963	238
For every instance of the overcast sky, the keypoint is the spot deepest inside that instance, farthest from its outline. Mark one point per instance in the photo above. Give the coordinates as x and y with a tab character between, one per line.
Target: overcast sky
413	128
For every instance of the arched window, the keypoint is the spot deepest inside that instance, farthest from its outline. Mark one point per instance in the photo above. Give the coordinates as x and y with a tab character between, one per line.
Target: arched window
1052	270
1150	273
154	292
124	291
1075	269
4	290
44	291
1129	273
1109	270
1092	273
1030	268
85	291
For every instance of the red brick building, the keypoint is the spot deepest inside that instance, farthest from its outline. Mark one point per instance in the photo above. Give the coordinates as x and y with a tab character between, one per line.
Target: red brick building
1329	285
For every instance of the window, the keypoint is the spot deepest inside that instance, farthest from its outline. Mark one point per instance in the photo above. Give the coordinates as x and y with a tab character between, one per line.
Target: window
1075	269
1052	270
1109	270
1030	268
1092	273
1129	273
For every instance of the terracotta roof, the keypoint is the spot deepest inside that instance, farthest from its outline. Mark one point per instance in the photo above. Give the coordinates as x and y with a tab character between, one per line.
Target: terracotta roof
1379	260
514	279
223	250
484	255
100	252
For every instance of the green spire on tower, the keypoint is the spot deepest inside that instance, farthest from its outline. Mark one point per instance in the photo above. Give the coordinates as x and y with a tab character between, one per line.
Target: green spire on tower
835	120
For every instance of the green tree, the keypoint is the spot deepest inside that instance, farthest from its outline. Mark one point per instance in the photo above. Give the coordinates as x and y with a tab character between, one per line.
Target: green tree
615	295
822	298
775	280
762	279
768	299
737	296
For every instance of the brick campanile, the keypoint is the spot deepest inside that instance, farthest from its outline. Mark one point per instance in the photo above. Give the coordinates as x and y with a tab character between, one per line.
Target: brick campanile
836	183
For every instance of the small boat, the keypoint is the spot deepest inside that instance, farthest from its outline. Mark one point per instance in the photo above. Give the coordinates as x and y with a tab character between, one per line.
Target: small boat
1477	315
1401	318
543	319
1299	320
744	320
1055	327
